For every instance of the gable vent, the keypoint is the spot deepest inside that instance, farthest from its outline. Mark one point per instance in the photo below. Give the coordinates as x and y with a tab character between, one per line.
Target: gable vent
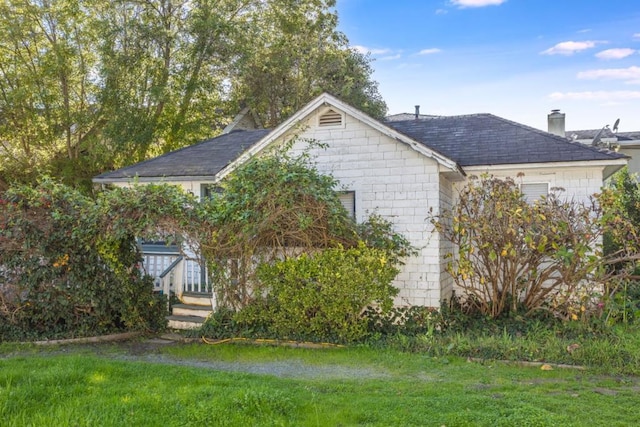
330	118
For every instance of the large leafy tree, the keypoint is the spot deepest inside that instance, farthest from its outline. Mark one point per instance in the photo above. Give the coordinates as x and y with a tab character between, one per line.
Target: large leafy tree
87	85
47	89
293	53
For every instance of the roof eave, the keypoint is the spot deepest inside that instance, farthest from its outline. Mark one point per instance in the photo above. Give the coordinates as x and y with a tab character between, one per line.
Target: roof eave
156	179
609	166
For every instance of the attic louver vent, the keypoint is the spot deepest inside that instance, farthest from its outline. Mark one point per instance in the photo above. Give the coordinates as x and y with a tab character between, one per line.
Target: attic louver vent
330	118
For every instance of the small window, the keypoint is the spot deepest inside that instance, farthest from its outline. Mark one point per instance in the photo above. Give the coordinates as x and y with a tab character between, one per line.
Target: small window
348	200
209	191
330	118
534	191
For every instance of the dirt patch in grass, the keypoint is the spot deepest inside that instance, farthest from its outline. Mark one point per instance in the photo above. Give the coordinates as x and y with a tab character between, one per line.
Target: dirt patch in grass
150	350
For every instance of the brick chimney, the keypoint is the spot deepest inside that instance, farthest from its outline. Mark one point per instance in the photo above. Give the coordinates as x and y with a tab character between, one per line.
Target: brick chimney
555	123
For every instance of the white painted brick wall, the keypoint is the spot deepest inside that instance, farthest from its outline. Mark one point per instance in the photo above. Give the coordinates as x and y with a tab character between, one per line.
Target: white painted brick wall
394	181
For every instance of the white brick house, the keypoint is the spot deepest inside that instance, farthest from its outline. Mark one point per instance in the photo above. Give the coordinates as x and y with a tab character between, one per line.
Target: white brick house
400	169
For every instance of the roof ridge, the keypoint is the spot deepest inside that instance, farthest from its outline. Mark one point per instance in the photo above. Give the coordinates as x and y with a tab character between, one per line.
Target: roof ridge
436	116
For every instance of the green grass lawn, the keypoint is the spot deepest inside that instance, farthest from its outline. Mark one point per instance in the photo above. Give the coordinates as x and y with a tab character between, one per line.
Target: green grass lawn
210	385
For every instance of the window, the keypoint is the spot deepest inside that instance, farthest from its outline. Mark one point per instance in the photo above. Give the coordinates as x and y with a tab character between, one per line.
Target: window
330	118
533	191
208	191
348	200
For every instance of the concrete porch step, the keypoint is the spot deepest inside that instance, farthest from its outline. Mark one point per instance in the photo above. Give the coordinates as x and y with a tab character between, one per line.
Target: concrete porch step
185	322
196	299
191	310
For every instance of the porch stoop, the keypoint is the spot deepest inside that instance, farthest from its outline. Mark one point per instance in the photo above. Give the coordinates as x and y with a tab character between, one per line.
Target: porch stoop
192	313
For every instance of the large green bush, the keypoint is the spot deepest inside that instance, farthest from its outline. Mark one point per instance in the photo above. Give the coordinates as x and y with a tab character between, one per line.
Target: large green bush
322	296
62	271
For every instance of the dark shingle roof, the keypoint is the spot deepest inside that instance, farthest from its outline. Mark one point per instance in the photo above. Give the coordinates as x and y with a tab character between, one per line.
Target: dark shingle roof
628	136
485	139
590	133
204	159
470	140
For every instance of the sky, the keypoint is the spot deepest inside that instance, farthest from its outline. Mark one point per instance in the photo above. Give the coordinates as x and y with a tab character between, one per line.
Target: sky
517	59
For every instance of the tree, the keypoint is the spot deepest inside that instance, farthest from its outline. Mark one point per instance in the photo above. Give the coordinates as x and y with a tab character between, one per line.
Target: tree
293	53
87	85
46	90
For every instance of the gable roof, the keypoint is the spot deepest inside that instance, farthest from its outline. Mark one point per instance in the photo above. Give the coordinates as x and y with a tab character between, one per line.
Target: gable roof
485	139
452	141
326	99
202	160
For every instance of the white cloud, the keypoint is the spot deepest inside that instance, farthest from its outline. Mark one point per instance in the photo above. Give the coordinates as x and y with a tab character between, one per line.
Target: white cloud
608	96
615	53
430	51
636	36
390	57
476	3
630	75
441	12
364	50
569	47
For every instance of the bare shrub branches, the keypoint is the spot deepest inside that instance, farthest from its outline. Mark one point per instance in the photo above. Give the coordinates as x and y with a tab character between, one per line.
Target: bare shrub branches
511	254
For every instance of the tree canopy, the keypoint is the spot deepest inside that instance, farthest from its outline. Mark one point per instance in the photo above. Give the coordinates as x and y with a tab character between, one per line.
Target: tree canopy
87	86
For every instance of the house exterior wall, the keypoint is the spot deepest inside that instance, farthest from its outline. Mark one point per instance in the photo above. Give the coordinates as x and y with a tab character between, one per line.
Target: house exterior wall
634	161
447	197
392	180
193	187
578	183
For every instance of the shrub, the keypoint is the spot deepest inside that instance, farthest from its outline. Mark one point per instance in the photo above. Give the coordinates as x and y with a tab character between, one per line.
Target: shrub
512	255
409	321
61	274
321	296
271	207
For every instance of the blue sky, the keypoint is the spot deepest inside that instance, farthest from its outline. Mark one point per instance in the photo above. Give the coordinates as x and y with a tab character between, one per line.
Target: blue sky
517	59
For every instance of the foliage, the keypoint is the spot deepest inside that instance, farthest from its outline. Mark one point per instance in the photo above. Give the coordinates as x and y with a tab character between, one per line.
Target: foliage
513	255
621	304
270	208
408	321
377	232
293	53
277	232
275	210
62	273
321	296
87	85
623	300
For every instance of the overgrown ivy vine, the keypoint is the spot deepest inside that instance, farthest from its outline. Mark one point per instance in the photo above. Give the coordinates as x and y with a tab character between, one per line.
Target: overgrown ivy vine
276	239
